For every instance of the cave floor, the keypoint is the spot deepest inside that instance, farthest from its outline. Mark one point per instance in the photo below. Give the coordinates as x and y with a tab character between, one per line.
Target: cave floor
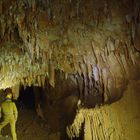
30	127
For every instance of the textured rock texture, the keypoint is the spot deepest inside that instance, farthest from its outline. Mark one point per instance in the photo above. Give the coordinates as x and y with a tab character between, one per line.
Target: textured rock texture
119	121
76	50
76	37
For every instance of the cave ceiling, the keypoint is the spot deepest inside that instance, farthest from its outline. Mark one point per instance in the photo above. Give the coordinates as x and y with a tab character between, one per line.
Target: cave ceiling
95	41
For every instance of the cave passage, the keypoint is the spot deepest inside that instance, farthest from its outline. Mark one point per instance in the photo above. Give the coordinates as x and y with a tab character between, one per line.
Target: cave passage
26	98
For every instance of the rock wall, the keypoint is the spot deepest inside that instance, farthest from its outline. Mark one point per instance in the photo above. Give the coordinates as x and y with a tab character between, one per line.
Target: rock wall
119	121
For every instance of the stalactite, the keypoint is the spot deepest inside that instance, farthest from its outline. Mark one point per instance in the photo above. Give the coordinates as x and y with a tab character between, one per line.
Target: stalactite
124	63
90	76
96	73
49	10
110	45
96	51
51	74
77	66
33	5
43	78
22	81
39	81
105	81
1	7
84	76
132	57
133	32
37	51
32	47
118	58
29	81
3	26
80	83
107	12
77	8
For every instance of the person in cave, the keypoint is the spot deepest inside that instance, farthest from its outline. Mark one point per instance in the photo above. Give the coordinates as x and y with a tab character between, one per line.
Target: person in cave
9	113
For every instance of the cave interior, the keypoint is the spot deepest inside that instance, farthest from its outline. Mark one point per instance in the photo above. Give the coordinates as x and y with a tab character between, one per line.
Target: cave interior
73	67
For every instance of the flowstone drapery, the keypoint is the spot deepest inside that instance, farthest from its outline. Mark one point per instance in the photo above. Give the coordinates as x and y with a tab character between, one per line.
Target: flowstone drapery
97	124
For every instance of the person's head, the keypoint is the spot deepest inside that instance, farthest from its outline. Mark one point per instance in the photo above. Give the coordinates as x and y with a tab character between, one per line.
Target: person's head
9	96
8	92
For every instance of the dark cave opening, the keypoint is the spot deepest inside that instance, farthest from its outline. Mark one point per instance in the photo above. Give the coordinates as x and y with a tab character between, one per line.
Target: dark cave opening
32	98
29	122
26	98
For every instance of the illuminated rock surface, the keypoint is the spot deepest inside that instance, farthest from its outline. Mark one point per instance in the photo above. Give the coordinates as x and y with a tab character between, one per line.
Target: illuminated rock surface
70	52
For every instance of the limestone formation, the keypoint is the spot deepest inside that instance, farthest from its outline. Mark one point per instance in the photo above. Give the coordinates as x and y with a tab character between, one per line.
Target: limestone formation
92	46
